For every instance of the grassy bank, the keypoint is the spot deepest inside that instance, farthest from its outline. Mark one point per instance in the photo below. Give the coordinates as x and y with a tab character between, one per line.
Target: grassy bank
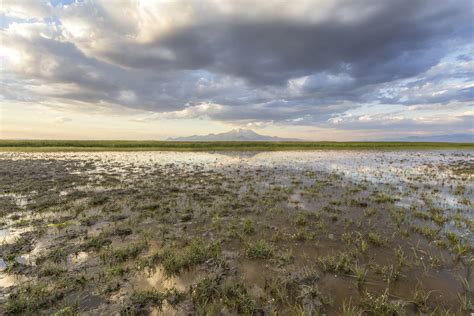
120	145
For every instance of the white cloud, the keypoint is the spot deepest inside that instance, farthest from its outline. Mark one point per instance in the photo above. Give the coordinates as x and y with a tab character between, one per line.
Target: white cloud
61	120
26	9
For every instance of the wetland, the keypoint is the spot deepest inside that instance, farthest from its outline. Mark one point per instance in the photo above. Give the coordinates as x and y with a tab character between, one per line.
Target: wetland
322	232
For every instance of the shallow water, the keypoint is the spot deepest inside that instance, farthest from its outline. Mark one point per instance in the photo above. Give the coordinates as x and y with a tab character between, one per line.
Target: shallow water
396	168
375	166
307	204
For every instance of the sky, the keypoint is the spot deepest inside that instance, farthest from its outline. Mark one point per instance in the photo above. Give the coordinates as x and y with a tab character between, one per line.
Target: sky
315	70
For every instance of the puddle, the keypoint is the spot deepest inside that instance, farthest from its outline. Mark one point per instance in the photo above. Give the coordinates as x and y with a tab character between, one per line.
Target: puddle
10	235
160	281
4	233
77	259
7	280
19	200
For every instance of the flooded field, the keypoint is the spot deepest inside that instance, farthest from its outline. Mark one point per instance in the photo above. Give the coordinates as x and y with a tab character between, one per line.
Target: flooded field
266	233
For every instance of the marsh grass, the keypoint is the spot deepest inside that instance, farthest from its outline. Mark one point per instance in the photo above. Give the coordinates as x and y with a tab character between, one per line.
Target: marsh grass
71	310
259	250
57	254
113	145
237	298
175	259
97	242
381	198
28	298
389	273
50	268
301	220
465	302
375	238
211	293
342	263
421	297
360	274
282	291
248	226
349	309
142	300
114	256
190	221
401	257
382	304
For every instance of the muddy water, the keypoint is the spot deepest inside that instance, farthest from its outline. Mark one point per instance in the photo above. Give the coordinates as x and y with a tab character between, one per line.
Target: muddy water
394	217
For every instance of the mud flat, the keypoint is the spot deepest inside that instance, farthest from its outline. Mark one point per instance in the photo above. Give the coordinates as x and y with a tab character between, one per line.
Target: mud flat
293	232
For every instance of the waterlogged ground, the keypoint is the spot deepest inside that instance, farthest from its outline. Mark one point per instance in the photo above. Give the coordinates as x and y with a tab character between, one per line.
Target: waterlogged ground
303	233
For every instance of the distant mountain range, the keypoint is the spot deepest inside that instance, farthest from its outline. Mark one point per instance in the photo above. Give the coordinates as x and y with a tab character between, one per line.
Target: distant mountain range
250	136
240	134
452	138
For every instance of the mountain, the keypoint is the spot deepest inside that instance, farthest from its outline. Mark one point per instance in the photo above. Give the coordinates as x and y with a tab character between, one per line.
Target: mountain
240	134
452	138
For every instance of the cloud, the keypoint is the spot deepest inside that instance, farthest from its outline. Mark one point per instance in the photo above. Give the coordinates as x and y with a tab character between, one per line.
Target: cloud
26	9
61	120
248	62
448	122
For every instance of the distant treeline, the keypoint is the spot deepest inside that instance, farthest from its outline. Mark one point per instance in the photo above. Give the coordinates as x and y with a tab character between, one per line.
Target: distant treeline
96	145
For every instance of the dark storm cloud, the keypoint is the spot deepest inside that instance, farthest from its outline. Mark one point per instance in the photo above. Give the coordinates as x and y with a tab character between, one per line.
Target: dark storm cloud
399	40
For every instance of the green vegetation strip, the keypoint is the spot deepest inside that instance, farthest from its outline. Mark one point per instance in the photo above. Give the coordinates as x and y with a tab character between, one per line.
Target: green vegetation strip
120	145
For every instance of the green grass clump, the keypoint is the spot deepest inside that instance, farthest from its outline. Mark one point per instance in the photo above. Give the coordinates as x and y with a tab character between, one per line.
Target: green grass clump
398	215
389	273
237	298
427	231
375	238
460	189
117	271
384	198
113	256
348	309
197	251
211	294
282	291
206	291
259	250
143	300
49	268
122	231
342	263
360	273
98	200
151	297
56	254
71	310
27	299
383	305
90	220
96	243
249	226
21	223
301	220
421	297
